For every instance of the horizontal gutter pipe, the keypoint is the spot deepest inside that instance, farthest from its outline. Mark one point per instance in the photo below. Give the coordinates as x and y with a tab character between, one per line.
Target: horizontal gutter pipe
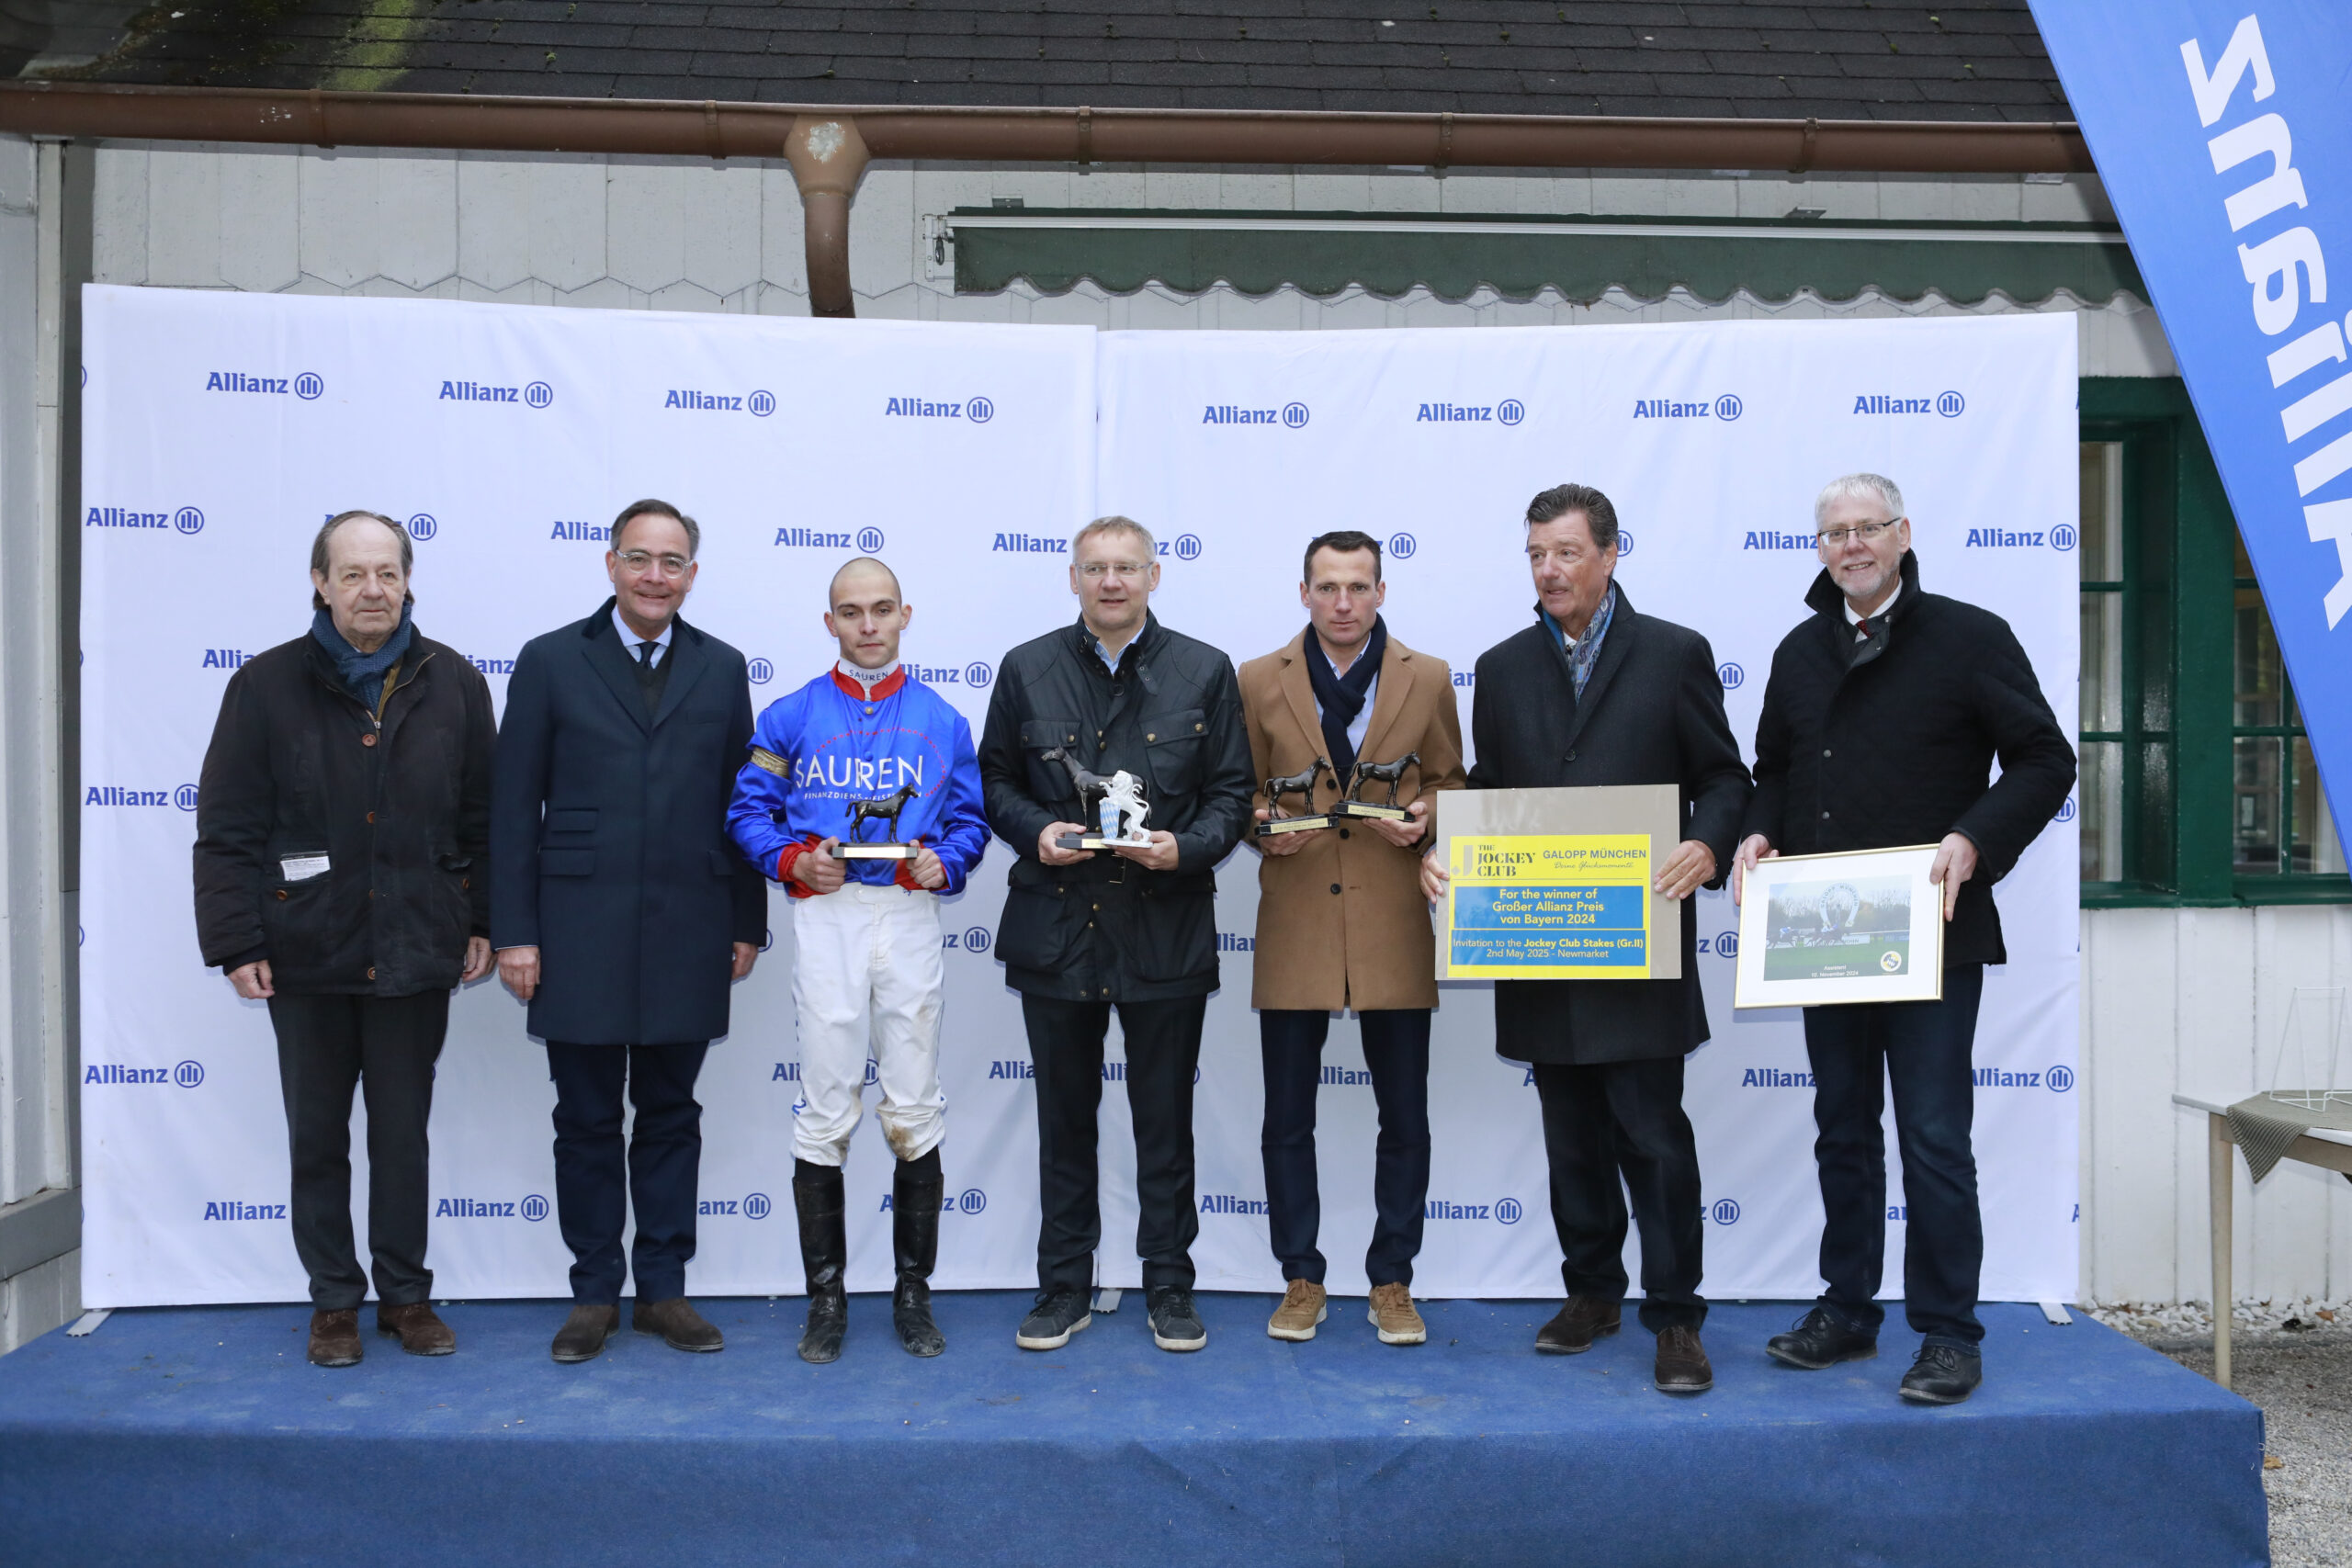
828	145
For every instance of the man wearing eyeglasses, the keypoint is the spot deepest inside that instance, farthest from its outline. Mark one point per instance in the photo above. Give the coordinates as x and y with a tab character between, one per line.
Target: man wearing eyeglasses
1882	720
1133	927
621	911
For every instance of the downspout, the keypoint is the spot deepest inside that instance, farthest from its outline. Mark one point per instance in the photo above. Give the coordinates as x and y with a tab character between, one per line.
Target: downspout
830	147
828	156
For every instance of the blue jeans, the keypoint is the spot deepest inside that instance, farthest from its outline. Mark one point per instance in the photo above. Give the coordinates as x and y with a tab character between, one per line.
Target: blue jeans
1925	1049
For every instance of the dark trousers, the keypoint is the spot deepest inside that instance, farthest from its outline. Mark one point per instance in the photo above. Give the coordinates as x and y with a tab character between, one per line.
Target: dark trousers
1163	1052
326	1046
1396	1051
1927	1050
595	1185
1624	1119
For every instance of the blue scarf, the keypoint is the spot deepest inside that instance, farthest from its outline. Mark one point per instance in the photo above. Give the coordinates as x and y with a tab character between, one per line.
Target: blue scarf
1341	697
1584	652
363	673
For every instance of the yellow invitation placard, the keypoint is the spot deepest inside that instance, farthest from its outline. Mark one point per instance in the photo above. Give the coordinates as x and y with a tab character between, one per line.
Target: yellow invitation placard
1549	907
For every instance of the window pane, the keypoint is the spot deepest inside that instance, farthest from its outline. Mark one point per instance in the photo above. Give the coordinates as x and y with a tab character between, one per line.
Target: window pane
2260	682
2102	506
2317	849
2102	795
2102	692
2253	830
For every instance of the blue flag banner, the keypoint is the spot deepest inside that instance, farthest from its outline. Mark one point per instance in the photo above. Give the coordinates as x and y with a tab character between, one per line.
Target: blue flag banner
2223	133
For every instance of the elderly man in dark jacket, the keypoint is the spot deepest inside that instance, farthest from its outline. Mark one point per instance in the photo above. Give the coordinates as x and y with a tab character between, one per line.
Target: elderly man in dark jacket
1134	927
1883	714
1595	692
340	827
622	912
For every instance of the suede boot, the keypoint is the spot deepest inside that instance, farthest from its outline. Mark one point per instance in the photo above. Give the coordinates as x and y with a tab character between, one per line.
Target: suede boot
817	1198
916	1192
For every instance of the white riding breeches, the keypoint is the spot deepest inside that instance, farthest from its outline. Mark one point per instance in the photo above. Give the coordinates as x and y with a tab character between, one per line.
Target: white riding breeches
867	980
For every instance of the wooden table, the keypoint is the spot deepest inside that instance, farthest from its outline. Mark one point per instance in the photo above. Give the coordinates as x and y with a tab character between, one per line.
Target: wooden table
2321	1150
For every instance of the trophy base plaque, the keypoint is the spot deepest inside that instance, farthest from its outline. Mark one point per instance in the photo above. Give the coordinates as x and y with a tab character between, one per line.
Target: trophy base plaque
1367	811
847	850
1292	825
1097	841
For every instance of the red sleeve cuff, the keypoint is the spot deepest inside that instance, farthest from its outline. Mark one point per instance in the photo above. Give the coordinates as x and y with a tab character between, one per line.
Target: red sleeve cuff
784	868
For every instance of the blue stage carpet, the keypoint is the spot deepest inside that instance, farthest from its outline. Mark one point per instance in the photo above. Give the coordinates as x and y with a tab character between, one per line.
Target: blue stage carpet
200	1436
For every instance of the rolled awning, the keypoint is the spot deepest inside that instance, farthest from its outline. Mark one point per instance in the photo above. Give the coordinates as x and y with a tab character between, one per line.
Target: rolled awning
1519	258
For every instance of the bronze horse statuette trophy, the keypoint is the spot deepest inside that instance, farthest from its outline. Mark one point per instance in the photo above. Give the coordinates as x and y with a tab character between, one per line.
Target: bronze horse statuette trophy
883	809
1302	785
1122	792
1390	774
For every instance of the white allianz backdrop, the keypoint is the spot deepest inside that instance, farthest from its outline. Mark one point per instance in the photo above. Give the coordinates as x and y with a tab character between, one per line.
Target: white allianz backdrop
180	1103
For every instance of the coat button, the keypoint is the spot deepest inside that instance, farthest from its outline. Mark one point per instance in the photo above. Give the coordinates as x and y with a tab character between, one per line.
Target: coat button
281	893
1824	751
371	818
1344	832
465	882
1096	908
1335	888
368	738
371	971
1107	990
1825	816
1148	736
1571	756
1196	728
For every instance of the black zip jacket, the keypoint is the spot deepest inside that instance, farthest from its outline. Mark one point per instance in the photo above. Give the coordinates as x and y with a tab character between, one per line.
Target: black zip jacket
1106	928
1895	746
299	768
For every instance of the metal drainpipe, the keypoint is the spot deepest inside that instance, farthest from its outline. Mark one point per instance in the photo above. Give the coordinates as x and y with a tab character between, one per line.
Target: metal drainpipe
828	156
827	169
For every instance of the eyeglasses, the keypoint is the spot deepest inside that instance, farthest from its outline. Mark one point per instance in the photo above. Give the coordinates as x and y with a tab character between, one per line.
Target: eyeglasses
637	562
1835	537
1096	571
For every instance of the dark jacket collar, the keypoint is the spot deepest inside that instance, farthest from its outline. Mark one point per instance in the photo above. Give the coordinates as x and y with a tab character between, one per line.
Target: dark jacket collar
1825	597
601	624
1084	640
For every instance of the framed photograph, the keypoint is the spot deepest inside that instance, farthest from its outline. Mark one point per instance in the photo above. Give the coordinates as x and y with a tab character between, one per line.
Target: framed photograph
1863	926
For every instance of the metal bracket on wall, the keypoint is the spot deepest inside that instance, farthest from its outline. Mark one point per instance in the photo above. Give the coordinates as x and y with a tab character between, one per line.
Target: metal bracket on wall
44	1226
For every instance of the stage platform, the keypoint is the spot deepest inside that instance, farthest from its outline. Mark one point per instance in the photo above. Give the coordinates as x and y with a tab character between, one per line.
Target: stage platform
193	1436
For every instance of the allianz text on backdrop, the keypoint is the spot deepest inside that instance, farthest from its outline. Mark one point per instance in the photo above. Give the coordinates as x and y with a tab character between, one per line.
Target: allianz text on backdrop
509	524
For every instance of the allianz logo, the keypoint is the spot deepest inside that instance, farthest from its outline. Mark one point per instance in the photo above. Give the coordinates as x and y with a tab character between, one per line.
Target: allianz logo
1336	1073
117	794
1726	408
537	394
224	658
2057	1079
1949	405
2060	538
1116	1072
187	1075
750	1206
1773	1078
533	1208
1011	1070
974	410
759	404
1293	415
971	1200
1503	1211
490	666
1234	941
1031	544
1510	411
231	1208
1227	1203
790	1072
867	541
1767	539
580	533
306	386
185	520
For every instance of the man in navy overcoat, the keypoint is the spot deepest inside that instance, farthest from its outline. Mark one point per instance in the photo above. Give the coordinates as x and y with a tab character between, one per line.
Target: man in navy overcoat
621	913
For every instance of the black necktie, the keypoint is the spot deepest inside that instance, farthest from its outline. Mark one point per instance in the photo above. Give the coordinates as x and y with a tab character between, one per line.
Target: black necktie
645	654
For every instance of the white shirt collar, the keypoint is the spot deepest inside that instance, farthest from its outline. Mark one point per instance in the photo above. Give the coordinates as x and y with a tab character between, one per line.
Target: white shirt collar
629	639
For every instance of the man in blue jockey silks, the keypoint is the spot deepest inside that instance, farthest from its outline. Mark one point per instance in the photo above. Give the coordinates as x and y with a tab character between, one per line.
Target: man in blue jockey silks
868	975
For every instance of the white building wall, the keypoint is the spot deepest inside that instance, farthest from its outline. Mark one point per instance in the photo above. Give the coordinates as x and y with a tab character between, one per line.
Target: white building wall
2189	1000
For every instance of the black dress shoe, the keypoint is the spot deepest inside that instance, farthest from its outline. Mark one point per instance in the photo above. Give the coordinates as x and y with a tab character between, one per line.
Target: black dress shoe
679	1326
1944	1373
582	1336
1822	1338
1175	1322
1055	1315
1682	1366
1576	1325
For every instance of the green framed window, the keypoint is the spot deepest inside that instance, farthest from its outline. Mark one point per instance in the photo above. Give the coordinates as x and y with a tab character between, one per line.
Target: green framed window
2198	784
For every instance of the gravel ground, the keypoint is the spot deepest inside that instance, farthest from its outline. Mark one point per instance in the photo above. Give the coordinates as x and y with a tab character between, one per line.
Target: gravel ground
2294	1359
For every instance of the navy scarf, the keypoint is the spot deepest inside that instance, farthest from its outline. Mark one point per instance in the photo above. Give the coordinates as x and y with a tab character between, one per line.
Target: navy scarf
1341	697
363	673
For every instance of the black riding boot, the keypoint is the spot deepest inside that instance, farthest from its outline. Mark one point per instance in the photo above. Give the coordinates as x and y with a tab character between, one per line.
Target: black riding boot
916	1194
824	1256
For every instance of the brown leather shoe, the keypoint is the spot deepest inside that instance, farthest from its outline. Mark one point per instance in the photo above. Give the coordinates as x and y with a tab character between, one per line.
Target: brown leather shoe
582	1336
681	1328
1304	1307
421	1332
1584	1319
1393	1315
335	1339
1682	1366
